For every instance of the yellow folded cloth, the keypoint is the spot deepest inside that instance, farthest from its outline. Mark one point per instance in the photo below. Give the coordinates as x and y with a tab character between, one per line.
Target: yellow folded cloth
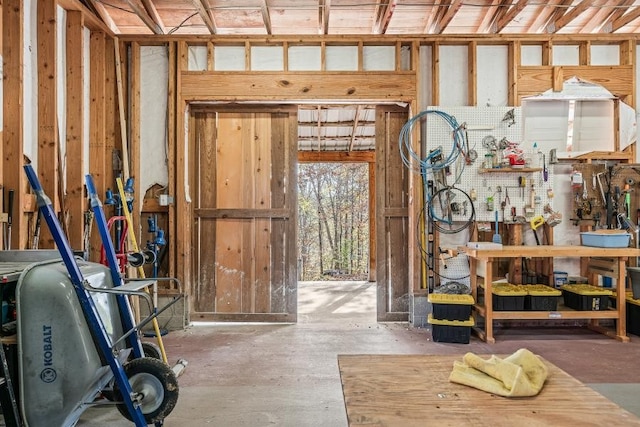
518	375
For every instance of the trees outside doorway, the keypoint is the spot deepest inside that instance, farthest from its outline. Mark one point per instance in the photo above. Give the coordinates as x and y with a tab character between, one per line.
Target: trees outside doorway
333	221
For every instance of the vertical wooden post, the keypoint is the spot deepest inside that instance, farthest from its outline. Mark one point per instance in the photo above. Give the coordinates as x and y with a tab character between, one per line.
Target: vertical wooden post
372	221
183	171
512	72
48	136
76	201
473	74
171	144
97	155
134	143
12	100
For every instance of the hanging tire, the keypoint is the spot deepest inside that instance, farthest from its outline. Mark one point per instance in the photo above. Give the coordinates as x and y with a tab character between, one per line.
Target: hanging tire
155	381
151	350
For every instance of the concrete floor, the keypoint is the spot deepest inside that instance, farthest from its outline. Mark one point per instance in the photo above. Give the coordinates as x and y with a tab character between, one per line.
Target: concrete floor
287	375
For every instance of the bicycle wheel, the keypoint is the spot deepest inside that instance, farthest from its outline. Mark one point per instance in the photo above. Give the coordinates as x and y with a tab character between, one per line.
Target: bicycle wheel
451	210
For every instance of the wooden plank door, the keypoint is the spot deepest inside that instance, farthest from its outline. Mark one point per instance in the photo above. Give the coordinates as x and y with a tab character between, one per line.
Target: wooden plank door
245	213
392	217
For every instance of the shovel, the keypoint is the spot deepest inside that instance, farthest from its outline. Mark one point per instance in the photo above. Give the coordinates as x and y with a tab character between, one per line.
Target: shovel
497	238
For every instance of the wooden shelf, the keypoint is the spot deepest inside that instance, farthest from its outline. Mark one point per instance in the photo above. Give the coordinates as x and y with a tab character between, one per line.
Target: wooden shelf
549	315
510	170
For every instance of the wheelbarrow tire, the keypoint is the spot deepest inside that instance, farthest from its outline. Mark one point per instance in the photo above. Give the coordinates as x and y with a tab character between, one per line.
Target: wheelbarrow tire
151	350
157	383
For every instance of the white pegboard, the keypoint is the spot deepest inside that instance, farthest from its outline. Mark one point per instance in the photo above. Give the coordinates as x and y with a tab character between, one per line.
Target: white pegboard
482	122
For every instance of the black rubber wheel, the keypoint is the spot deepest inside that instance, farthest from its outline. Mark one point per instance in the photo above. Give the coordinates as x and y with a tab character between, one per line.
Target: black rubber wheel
157	384
151	350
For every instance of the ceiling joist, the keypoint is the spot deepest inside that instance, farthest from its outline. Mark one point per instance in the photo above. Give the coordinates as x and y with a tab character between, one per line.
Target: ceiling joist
383	14
511	14
104	15
324	7
627	18
450	12
140	10
202	6
493	11
266	17
614	13
568	15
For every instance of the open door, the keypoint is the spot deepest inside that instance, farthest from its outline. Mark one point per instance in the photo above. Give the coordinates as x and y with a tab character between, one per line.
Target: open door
244	213
392	217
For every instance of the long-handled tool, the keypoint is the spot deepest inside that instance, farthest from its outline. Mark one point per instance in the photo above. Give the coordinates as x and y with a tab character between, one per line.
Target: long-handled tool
134	243
536	222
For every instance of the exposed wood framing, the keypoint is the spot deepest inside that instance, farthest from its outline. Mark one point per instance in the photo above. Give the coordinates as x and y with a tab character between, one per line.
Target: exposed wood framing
510	15
202	6
472	82
494	11
614	14
12	100
545	12
324	7
266	17
48	137
103	14
150	7
183	178
512	73
354	129
142	10
171	147
584	53
202	85
112	146
568	15
336	156
122	114
448	16
625	19
435	73
134	143
76	200
383	14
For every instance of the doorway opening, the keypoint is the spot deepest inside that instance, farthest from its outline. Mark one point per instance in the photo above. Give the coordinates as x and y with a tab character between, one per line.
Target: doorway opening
334	242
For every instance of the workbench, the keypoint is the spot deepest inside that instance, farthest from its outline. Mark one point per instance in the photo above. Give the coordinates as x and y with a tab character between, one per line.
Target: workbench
414	390
617	258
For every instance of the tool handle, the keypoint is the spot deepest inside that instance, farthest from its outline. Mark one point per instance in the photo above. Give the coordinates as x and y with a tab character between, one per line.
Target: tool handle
10	216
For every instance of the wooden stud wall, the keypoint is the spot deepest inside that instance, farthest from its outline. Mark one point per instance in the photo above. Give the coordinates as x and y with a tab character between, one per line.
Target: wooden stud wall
12	135
76	202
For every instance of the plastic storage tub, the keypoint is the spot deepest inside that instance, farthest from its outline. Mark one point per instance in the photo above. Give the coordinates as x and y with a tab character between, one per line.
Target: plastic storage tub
451	331
605	240
508	297
633	315
451	306
634	277
541	298
586	297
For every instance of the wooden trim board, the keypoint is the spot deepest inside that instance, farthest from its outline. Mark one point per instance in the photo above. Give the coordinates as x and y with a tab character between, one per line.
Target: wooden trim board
414	390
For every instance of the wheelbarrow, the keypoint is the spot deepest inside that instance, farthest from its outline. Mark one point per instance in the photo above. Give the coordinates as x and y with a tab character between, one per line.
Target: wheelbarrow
77	340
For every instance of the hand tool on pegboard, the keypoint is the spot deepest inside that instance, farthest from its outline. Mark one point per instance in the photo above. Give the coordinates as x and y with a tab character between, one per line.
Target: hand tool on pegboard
522	183
535	223
9	219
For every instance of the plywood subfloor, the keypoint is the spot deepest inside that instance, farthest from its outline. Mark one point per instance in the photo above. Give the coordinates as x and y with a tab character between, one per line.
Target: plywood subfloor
413	390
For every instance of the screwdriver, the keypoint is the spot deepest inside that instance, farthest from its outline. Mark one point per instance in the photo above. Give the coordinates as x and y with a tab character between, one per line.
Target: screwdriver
522	182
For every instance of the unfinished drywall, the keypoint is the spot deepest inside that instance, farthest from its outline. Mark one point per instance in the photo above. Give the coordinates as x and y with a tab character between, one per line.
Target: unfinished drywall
492	77
154	75
454	75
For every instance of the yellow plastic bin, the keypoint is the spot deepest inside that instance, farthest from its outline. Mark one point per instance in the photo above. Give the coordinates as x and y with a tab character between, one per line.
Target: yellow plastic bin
451	331
451	306
508	297
586	297
541	298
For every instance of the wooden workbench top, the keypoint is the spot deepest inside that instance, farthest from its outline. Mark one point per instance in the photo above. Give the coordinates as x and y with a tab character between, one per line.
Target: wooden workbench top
414	390
549	251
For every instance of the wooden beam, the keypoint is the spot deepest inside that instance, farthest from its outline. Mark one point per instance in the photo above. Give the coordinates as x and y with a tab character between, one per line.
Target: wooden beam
134	144
122	114
448	16
510	15
543	15
515	50
202	6
354	129
76	200
171	155
472	83
266	17
616	12
91	21
12	119
568	16
336	156
97	160
150	7
627	18
383	14
104	15
48	137
584	53
140	10
435	14
324	7
490	16
202	85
